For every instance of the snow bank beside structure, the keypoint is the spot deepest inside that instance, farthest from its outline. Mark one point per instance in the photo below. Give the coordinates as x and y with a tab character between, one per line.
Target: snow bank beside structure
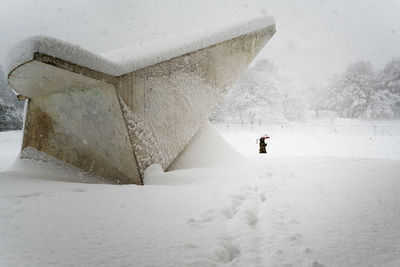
116	114
208	149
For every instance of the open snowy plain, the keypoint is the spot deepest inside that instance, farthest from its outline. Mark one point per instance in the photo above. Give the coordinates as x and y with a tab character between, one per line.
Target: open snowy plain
324	195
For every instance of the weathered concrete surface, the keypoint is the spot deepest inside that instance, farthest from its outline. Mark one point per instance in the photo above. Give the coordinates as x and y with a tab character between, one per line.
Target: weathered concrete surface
167	103
116	127
75	119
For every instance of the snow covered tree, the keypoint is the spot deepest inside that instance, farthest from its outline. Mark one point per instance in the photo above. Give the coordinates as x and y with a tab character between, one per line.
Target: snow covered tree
10	109
391	76
361	93
294	100
390	80
317	96
261	95
350	92
253	97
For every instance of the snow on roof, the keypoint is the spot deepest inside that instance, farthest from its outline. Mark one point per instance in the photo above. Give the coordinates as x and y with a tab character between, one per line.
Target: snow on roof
129	59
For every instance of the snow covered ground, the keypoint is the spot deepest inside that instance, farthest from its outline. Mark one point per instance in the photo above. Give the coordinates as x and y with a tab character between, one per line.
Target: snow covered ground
324	195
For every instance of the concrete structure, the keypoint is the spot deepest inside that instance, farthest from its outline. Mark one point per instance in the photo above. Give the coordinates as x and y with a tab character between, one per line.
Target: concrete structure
115	126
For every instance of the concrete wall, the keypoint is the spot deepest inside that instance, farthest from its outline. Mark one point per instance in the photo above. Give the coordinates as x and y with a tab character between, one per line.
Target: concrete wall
165	104
116	127
75	119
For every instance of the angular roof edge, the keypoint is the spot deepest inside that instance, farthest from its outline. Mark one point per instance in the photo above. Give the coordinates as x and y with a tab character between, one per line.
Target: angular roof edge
129	59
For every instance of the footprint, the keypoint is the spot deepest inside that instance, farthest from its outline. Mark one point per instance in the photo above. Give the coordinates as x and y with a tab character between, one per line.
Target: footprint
197	225
190	245
238	200
190	221
263	196
307	251
252	188
316	264
79	190
227	252
228	213
206	217
295	238
251	218
29	195
294	221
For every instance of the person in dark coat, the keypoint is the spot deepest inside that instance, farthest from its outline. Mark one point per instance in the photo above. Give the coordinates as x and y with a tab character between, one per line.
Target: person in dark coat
262	145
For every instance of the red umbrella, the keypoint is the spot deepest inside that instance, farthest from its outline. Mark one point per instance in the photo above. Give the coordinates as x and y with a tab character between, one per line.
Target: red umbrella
265	136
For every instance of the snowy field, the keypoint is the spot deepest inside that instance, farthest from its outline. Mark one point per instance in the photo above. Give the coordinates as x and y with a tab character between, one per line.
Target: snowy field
324	195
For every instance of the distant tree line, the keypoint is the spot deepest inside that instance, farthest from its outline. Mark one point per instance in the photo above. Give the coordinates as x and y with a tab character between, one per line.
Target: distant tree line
11	110
263	95
361	92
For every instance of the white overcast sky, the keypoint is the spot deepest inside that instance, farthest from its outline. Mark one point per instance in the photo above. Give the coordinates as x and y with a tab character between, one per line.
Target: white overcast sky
314	38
